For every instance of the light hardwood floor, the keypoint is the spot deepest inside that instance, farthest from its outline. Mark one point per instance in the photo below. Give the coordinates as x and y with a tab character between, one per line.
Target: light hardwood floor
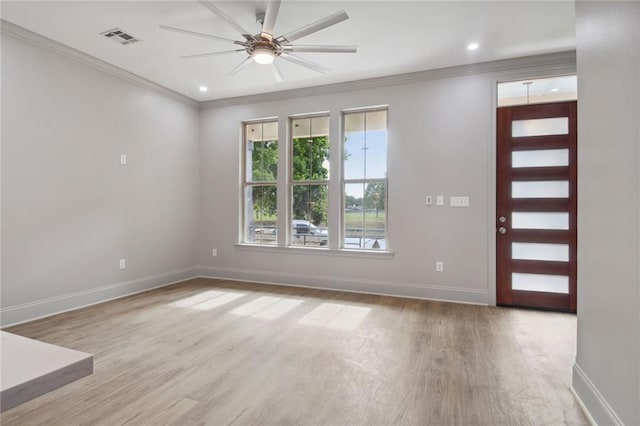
219	352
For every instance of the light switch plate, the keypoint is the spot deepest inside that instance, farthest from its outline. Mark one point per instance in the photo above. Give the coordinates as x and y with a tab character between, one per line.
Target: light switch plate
459	201
428	200
123	159
440	200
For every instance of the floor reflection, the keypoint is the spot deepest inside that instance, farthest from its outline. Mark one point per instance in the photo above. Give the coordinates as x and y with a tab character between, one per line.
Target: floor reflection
267	307
207	300
336	315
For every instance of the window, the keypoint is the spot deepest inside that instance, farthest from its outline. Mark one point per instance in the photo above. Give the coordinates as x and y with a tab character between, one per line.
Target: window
309	181
357	216
259	182
365	179
539	90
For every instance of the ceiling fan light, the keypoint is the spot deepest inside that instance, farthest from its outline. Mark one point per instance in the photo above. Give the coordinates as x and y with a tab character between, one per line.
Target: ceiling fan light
263	56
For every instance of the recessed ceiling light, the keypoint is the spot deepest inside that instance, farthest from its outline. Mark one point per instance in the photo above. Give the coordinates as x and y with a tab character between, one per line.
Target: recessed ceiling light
554	89
473	46
203	88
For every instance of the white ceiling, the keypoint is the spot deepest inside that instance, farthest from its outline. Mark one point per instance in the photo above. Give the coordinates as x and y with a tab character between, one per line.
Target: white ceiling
393	37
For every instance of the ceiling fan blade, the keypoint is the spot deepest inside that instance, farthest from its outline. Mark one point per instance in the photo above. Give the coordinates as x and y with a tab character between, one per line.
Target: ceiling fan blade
204	55
270	16
276	73
197	34
303	62
226	18
320	49
314	27
240	66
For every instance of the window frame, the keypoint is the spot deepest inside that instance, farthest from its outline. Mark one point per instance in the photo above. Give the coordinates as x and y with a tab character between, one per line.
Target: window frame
344	181
246	183
284	185
291	183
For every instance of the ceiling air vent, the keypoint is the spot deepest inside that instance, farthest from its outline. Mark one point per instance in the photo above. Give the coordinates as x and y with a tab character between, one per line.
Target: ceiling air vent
120	36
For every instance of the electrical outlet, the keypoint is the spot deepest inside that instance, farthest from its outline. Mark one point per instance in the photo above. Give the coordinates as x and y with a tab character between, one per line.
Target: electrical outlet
428	200
440	200
123	263
439	266
214	252
123	159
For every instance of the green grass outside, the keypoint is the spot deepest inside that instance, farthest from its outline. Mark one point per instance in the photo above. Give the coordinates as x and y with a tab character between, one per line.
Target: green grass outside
351	219
265	219
357	219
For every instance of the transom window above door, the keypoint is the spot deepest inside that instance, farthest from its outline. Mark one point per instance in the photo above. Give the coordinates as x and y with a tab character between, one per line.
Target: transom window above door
538	90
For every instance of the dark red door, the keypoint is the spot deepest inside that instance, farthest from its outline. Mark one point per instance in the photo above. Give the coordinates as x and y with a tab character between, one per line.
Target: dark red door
536	206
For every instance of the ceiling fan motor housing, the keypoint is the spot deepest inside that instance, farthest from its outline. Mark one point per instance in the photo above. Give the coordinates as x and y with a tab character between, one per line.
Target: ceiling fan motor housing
262	44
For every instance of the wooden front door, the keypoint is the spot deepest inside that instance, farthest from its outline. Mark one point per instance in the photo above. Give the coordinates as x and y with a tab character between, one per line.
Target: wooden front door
536	206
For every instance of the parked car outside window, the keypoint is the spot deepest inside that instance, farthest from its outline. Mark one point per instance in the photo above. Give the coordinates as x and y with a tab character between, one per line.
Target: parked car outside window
307	233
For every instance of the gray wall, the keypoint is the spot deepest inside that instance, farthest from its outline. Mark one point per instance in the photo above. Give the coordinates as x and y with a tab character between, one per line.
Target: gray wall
438	144
70	211
607	371
441	141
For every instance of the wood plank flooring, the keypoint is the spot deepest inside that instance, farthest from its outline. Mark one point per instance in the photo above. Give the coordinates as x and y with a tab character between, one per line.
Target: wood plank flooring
219	352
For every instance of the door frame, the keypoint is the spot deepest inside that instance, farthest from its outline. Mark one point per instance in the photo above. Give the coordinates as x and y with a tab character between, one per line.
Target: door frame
522	73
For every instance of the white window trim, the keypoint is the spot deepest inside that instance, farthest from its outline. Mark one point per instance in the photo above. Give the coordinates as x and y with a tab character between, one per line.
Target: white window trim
291	183
315	251
344	181
245	183
284	184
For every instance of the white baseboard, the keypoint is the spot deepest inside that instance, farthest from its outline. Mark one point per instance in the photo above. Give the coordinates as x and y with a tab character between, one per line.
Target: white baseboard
26	312
352	285
14	315
596	407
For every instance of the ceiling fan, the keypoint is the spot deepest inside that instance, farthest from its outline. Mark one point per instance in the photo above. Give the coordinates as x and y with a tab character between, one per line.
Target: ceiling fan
264	48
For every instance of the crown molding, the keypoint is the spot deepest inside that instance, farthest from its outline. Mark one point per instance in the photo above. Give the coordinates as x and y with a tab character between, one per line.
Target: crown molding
561	62
20	33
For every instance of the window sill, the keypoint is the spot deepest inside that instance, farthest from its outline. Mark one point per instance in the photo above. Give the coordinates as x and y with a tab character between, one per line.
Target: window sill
317	251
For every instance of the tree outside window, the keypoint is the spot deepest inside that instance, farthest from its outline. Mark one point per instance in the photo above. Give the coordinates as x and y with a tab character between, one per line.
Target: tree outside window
365	179
260	187
310	180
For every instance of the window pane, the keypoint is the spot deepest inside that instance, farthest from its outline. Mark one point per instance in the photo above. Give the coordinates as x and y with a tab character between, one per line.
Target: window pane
539	251
539	282
311	148
376	121
262	152
375	217
539	220
365	216
553	89
261	214
354	215
540	189
354	147
309	224
262	131
540	158
365	147
540	127
310	127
